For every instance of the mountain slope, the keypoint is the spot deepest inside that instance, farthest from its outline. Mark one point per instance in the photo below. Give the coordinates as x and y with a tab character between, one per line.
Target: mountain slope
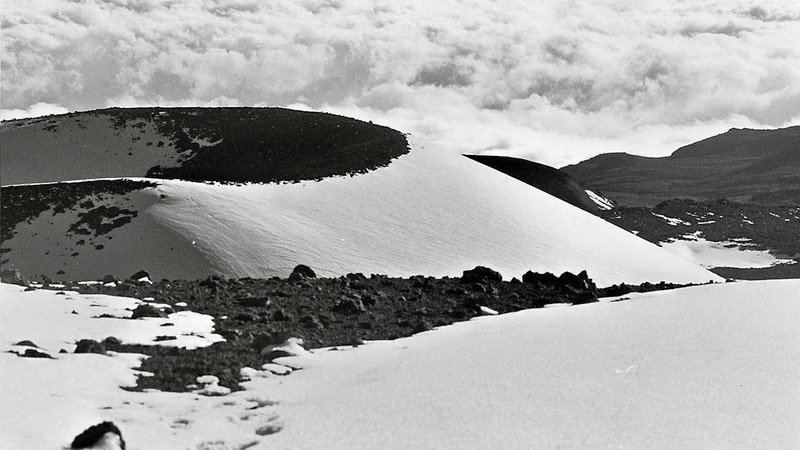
741	164
201	144
427	212
546	178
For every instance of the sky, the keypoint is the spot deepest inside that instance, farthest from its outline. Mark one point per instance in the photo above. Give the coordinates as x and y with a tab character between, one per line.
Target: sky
551	81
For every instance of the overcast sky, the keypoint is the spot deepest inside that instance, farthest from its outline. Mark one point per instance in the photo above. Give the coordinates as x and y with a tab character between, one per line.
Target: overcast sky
555	81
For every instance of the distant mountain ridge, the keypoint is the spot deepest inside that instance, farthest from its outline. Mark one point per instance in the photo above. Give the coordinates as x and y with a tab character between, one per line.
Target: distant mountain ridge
746	165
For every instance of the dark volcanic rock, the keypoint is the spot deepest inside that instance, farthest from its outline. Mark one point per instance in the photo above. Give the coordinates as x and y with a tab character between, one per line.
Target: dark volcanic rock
90	437
33	353
139	275
324	312
481	274
90	346
577	288
13	276
301	272
580	285
311	322
147	311
110	279
544	280
349	306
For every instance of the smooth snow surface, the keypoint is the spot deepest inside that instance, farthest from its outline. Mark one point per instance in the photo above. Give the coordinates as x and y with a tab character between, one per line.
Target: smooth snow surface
733	253
429	212
709	367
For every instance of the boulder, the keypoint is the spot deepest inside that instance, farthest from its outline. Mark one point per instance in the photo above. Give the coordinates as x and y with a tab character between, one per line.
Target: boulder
301	272
90	346
13	276
481	274
311	322
33	353
110	279
542	280
349	306
147	311
139	275
102	435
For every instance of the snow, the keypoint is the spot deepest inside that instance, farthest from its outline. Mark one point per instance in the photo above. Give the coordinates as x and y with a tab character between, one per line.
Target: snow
602	202
731	253
712	366
66	394
672	220
706	367
429	212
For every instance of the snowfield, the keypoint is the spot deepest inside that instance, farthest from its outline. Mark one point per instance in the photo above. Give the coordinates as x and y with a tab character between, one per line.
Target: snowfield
707	367
732	253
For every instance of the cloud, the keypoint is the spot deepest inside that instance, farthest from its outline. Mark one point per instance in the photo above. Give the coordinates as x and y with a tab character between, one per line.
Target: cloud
36	110
555	81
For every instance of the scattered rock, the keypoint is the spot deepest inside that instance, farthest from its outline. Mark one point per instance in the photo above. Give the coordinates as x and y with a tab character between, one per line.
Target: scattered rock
311	322
104	435
422	325
13	276
27	343
481	274
268	429
110	279
541	280
112	343
580	285
301	272
578	288
90	346
33	353
139	275
349	306
282	316
147	311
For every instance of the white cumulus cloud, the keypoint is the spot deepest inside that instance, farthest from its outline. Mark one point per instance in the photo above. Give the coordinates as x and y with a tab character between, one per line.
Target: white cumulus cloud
554	81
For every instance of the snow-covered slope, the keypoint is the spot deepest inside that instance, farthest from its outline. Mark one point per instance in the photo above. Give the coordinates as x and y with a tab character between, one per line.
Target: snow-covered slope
709	367
429	212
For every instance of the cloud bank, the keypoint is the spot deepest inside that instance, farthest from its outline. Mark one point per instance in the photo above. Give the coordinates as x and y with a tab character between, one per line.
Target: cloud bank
554	81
